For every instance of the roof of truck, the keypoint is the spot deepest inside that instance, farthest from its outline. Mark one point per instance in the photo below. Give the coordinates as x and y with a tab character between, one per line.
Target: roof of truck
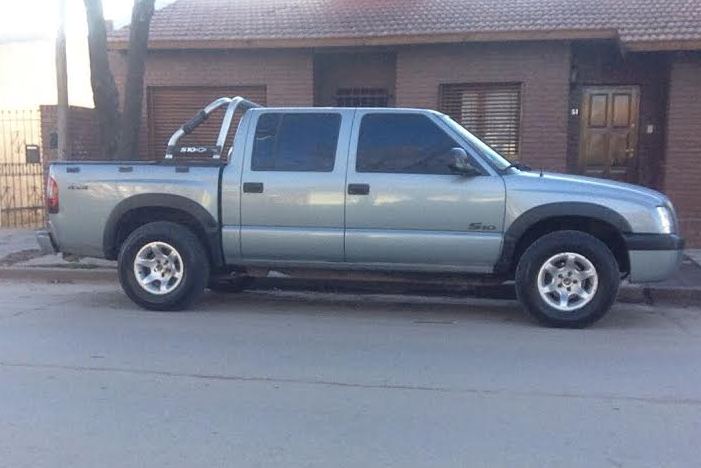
392	110
638	24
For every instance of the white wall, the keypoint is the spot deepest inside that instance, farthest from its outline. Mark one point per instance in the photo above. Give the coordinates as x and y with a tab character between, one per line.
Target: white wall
28	73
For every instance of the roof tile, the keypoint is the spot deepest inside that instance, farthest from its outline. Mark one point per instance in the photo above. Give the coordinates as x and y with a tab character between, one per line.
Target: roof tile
634	20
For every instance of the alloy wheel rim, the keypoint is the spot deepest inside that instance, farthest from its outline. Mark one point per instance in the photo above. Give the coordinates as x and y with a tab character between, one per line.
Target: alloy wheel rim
158	268
567	281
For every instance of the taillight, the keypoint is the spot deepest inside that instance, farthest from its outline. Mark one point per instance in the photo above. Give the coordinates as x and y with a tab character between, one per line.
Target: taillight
52	195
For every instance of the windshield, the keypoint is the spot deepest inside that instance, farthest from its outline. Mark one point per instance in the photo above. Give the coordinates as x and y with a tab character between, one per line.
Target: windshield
487	151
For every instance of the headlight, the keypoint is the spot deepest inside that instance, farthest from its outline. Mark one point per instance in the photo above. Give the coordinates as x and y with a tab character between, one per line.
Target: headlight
665	220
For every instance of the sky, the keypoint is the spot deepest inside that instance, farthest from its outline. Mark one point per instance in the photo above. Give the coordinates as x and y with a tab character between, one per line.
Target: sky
27	60
32	19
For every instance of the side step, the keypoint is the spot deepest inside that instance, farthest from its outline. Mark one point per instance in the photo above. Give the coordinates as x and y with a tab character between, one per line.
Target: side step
444	279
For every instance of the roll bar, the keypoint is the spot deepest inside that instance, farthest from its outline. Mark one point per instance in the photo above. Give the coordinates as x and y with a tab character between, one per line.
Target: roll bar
233	104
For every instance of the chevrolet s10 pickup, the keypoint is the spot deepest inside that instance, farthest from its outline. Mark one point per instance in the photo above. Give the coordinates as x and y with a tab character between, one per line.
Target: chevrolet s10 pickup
361	190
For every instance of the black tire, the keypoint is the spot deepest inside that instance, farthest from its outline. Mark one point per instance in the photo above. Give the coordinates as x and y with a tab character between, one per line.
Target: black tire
231	285
195	266
544	249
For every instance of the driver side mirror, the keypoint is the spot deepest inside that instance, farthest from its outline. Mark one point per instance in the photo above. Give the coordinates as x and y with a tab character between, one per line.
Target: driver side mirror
460	163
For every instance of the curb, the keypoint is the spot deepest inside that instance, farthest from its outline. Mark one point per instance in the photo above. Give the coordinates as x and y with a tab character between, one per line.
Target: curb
59	275
633	294
681	296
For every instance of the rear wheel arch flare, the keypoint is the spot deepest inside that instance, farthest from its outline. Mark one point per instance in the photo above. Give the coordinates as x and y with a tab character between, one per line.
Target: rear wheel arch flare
141	209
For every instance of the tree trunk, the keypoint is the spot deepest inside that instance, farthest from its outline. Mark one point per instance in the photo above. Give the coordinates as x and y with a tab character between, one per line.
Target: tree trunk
104	89
134	89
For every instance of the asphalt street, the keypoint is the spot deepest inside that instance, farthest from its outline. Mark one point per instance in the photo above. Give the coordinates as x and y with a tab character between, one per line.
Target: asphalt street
286	379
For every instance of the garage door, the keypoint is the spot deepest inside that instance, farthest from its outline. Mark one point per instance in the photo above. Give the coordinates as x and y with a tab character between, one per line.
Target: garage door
170	107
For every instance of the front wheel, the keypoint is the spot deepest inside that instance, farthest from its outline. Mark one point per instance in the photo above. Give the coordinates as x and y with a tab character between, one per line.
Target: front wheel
567	279
163	266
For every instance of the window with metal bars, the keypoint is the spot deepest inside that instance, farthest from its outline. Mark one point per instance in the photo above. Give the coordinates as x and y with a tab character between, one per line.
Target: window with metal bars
362	97
491	111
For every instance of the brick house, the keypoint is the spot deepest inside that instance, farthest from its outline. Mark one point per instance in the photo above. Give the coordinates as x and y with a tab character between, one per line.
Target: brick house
608	88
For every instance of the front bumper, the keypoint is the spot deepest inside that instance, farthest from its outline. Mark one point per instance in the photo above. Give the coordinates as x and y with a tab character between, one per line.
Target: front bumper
654	257
46	242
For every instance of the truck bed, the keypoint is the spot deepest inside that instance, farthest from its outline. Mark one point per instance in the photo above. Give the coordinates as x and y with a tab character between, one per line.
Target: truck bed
92	191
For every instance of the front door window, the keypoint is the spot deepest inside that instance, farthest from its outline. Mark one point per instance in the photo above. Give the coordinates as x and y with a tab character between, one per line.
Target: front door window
403	143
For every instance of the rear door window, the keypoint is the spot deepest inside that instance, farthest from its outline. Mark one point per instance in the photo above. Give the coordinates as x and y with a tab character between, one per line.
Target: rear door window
403	143
296	142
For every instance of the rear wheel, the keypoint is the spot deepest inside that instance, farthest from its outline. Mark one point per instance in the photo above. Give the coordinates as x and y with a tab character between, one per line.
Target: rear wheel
163	266
567	279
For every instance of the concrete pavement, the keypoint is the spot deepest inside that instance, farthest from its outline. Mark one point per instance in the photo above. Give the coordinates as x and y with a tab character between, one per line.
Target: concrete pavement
291	379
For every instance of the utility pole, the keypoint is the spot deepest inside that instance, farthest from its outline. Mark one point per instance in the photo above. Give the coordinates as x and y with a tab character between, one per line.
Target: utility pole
62	84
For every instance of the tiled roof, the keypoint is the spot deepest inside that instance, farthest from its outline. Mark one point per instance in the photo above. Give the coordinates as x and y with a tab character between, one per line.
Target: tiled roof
633	21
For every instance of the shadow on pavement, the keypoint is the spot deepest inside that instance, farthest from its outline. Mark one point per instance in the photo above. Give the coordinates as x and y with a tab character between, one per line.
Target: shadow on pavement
429	307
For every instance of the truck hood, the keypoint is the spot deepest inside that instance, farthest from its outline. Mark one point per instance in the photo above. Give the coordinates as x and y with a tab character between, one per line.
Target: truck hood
580	186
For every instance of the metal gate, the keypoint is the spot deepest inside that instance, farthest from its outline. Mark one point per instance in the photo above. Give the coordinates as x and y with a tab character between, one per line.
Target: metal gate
21	170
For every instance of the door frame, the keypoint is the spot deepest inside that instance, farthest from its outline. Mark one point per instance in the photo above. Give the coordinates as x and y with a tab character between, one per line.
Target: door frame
270	240
452	249
586	90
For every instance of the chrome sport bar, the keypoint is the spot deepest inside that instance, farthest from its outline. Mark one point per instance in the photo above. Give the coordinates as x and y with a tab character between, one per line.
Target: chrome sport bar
233	104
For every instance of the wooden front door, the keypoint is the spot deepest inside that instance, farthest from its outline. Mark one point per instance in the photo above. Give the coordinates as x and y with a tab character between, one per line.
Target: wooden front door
609	132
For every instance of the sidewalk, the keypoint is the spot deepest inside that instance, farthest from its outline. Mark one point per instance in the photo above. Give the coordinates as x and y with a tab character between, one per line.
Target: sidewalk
19	249
20	257
16	244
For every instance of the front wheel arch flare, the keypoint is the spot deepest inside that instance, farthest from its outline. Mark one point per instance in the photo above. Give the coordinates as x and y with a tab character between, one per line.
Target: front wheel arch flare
544	213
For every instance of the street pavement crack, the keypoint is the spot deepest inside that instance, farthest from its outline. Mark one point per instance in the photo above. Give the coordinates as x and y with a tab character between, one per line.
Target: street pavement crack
24	312
378	386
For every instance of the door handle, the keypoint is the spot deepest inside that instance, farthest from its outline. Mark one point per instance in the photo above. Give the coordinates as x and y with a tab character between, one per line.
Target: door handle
358	189
253	187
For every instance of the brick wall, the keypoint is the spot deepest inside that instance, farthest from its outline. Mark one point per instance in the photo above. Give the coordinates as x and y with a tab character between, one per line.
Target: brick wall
682	169
83	130
352	70
542	69
287	74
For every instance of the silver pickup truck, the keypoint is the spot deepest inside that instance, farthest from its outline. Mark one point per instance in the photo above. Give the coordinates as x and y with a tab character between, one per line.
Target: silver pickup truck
366	191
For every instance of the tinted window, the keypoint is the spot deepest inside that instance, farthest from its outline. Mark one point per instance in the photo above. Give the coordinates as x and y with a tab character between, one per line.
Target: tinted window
404	144
296	142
